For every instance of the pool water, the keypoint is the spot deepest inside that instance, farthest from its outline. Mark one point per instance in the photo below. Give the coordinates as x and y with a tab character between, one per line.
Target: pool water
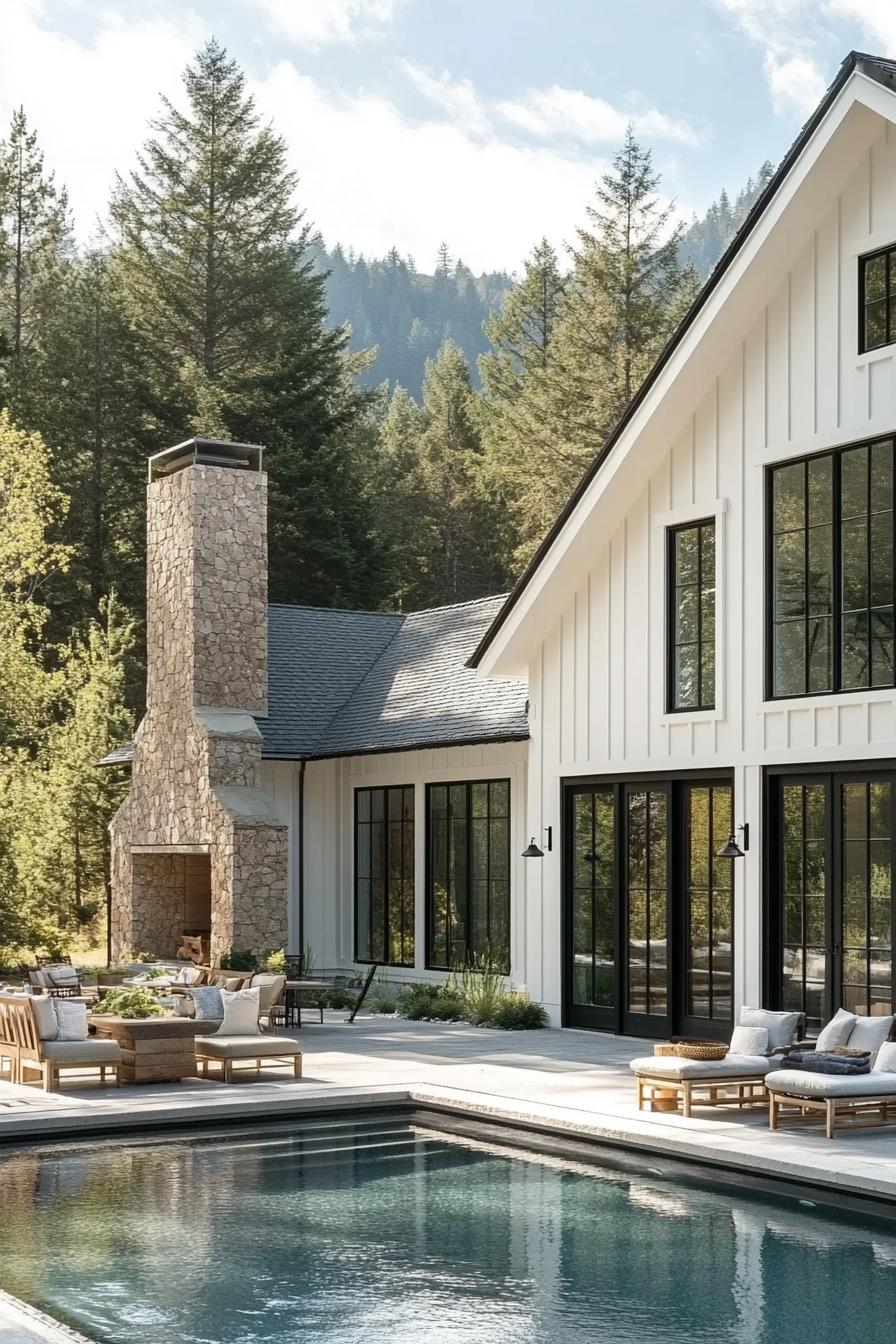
358	1233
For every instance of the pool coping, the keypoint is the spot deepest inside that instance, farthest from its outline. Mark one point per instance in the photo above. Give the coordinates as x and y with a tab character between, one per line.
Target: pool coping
19	1315
634	1135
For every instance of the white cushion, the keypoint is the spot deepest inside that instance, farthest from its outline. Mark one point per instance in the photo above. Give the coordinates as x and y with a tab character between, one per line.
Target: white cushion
781	1027
91	1051
803	1084
240	1012
749	1041
731	1067
886	1058
869	1033
257	1045
188	976
71	1019
45	1016
837	1030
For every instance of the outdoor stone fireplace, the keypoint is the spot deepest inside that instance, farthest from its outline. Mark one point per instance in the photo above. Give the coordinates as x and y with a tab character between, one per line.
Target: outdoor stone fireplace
197	837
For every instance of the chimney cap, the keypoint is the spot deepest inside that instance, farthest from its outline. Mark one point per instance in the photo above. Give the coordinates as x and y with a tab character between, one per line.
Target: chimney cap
206	452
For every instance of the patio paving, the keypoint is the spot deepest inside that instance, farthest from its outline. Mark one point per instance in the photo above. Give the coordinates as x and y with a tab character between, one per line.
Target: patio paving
576	1084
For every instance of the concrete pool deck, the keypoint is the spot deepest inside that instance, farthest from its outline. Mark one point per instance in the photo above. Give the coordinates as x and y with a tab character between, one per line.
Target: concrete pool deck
571	1084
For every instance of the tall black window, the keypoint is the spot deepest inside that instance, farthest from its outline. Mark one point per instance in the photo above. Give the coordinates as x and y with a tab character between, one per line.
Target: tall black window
692	616
832	572
877	299
468	878
384	875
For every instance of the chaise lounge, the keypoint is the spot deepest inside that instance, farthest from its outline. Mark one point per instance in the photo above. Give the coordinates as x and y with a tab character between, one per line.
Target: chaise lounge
861	1099
757	1047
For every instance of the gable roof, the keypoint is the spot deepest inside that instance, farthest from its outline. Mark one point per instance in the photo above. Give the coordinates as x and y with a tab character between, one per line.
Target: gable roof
346	683
878	68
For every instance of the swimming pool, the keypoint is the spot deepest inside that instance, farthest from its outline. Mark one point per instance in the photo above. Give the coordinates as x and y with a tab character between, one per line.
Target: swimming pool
357	1232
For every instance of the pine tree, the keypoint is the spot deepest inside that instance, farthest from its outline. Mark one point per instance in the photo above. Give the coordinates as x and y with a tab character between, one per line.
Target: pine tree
219	273
102	423
35	244
398	493
456	551
521	460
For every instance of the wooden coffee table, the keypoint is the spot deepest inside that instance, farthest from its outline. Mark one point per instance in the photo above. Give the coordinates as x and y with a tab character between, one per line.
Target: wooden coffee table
153	1049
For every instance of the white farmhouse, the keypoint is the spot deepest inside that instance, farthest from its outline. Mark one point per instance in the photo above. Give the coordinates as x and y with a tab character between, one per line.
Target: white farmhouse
701	656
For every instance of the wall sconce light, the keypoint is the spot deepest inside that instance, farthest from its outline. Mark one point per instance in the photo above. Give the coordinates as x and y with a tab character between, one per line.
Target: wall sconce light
533	852
731	849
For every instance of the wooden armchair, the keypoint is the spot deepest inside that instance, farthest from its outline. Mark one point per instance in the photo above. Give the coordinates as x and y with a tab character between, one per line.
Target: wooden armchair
22	1044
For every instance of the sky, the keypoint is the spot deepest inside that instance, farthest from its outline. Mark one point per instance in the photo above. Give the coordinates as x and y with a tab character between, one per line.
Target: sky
483	123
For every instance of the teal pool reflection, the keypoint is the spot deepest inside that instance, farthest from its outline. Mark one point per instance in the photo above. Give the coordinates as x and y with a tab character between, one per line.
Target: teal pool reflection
362	1233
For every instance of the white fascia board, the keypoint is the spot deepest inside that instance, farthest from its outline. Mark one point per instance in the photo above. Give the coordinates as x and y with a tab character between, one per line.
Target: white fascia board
700	356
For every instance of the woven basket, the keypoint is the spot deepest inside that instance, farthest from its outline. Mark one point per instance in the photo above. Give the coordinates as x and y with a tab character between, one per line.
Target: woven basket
705	1050
665	1048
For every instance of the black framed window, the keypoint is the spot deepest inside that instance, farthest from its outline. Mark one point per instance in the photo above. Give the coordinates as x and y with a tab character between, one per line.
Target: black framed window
384	875
831	572
468	874
877	299
691	580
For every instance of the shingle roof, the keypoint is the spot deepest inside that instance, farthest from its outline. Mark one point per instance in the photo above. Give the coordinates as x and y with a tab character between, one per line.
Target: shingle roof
420	692
342	683
316	659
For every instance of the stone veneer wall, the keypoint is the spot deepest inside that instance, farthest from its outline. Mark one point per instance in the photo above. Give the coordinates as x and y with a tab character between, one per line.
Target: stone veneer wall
196	777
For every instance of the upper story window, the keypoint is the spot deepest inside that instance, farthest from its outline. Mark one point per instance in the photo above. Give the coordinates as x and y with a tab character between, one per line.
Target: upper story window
384	875
877	299
468	874
831	572
691	578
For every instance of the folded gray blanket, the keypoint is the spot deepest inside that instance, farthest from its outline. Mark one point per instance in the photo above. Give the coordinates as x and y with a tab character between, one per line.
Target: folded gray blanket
816	1061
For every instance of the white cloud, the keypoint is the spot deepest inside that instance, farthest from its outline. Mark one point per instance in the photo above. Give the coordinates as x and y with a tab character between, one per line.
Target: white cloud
877	17
795	83
90	102
457	97
557	111
317	22
784	29
373	178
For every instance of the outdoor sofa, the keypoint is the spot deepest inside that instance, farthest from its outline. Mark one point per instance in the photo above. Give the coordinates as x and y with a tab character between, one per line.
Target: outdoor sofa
737	1080
29	1045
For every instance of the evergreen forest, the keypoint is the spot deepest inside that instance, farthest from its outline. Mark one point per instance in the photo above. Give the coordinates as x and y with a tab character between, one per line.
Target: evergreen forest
421	429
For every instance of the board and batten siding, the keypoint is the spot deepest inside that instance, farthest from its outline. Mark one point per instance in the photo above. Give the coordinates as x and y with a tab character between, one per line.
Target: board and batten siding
329	841
795	384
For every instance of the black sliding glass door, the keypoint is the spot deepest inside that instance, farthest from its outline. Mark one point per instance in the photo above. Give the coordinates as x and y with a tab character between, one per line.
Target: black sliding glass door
830	893
649	908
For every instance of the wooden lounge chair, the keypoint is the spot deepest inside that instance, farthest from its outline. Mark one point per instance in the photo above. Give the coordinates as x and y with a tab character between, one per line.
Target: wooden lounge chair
257	1050
271	989
21	1043
864	1100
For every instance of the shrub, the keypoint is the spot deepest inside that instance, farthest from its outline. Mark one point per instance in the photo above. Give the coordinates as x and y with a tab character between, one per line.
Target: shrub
239	959
435	1003
384	1003
130	1002
277	963
517	1012
482	990
339	998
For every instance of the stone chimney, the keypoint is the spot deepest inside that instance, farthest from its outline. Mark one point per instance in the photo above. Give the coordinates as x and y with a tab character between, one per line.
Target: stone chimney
197	846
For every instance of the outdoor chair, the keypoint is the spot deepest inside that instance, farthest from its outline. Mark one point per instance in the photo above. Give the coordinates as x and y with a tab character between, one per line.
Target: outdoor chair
862	1099
739	1079
271	994
58	978
31	1049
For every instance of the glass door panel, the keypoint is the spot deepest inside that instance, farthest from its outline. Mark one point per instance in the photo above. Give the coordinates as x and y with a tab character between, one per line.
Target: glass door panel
646	908
708	913
592	987
833	900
